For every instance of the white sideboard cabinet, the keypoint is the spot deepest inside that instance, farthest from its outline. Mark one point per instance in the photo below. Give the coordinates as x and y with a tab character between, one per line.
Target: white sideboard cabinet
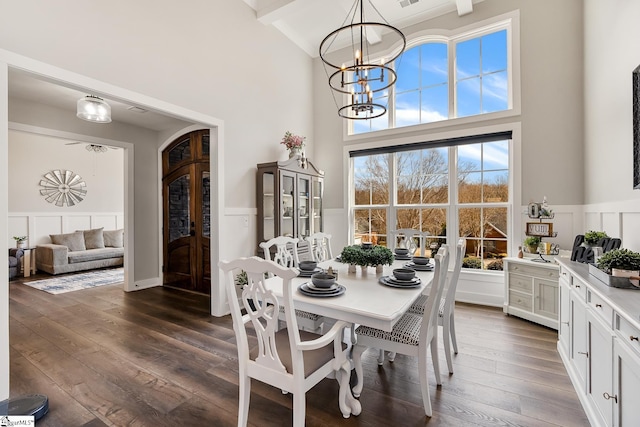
531	290
599	329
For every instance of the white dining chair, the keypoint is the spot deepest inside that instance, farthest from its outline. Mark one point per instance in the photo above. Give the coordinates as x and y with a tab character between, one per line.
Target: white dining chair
446	310
320	246
444	251
409	237
412	335
289	359
286	254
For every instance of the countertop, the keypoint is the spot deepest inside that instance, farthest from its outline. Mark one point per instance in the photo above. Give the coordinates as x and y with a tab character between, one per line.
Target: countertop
625	302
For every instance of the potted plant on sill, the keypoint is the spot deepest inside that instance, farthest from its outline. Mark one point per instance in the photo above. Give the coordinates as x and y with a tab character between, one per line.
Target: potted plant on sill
591	238
21	241
364	257
532	243
620	263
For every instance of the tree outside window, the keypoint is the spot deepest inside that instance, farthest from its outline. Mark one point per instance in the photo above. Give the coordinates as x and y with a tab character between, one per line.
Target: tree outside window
422	180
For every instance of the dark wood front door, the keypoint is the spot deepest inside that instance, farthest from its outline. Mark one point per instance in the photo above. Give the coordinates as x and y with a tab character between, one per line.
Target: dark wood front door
186	213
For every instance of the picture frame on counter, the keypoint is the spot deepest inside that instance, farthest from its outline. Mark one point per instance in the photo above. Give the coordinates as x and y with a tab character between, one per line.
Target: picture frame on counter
541	229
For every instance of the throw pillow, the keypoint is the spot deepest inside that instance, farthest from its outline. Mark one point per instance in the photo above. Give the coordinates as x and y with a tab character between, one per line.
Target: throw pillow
114	238
73	241
93	239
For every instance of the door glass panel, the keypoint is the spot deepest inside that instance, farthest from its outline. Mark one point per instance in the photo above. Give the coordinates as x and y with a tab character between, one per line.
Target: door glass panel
288	183
268	206
303	210
180	152
317	206
179	218
206	204
205	145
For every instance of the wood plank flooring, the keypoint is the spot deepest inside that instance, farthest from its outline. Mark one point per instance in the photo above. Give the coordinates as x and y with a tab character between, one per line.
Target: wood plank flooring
157	358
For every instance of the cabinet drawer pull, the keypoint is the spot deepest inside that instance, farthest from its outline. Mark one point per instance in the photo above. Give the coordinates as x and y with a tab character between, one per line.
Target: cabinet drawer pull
578	286
598	305
564	274
586	353
608	396
632	338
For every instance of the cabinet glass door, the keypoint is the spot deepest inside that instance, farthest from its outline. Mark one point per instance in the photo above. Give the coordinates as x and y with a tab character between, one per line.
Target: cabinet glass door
317	205
287	226
304	209
268	206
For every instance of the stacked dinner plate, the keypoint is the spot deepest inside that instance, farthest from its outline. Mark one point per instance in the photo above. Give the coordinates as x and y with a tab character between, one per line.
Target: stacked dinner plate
419	267
397	283
309	273
311	290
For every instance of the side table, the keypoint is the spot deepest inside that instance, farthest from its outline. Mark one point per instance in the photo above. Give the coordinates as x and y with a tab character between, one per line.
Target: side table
29	261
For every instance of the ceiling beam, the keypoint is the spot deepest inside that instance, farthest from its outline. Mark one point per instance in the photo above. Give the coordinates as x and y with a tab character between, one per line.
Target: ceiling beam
279	9
464	7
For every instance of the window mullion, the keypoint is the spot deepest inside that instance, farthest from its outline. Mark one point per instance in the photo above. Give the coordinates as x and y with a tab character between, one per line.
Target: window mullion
452	78
393	197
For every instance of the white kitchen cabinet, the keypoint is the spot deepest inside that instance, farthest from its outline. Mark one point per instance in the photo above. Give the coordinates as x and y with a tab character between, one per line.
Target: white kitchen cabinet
626	374
600	367
564	317
531	291
599	343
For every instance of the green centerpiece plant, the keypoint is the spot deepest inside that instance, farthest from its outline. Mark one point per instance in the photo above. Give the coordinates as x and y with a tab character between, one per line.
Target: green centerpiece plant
357	255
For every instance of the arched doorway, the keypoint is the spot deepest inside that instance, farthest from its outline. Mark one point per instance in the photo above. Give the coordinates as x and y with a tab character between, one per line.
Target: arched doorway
187	213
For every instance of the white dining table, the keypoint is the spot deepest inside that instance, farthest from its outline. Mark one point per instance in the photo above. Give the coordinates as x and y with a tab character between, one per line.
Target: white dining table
365	301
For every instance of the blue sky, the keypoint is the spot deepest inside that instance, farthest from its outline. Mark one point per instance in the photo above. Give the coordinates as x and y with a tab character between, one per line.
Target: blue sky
481	75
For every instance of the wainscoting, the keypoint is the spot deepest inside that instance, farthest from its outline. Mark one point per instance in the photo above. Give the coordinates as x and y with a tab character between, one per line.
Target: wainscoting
37	226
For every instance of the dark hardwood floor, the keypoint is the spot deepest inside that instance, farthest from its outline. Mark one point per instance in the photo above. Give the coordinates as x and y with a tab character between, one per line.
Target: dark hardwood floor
157	358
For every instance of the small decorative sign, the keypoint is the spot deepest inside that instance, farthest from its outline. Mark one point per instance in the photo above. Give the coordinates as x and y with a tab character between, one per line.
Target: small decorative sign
542	229
533	210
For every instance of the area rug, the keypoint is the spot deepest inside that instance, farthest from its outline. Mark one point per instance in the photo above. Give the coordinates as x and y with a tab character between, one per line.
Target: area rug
76	282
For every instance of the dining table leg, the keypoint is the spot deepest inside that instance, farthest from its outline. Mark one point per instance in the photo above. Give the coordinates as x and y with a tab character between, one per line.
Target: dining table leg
349	405
357	362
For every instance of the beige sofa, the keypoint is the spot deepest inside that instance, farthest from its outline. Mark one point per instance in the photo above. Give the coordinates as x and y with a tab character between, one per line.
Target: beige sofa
82	250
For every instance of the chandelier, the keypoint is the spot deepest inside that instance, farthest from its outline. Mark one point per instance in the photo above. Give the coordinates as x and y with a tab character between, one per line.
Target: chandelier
361	78
93	109
96	148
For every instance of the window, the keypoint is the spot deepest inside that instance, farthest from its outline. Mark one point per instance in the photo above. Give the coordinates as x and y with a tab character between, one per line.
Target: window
447	78
448	189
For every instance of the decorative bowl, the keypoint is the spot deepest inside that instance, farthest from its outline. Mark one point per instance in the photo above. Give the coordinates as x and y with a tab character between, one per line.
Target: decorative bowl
307	265
323	280
420	260
401	251
404	273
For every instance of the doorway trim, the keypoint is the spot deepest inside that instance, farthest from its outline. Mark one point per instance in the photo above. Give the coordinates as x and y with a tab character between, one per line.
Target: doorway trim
77	81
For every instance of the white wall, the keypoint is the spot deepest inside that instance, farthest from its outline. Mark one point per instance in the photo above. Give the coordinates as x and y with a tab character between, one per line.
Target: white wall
32	155
612	52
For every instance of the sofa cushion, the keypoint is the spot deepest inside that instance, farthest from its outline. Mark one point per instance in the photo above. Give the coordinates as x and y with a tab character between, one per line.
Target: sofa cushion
73	241
114	238
95	254
93	239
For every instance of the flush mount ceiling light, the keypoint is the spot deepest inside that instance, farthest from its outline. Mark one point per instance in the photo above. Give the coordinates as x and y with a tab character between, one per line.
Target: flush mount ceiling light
361	78
94	109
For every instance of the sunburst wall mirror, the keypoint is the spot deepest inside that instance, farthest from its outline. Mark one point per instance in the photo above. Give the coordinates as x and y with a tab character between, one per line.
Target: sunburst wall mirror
63	187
